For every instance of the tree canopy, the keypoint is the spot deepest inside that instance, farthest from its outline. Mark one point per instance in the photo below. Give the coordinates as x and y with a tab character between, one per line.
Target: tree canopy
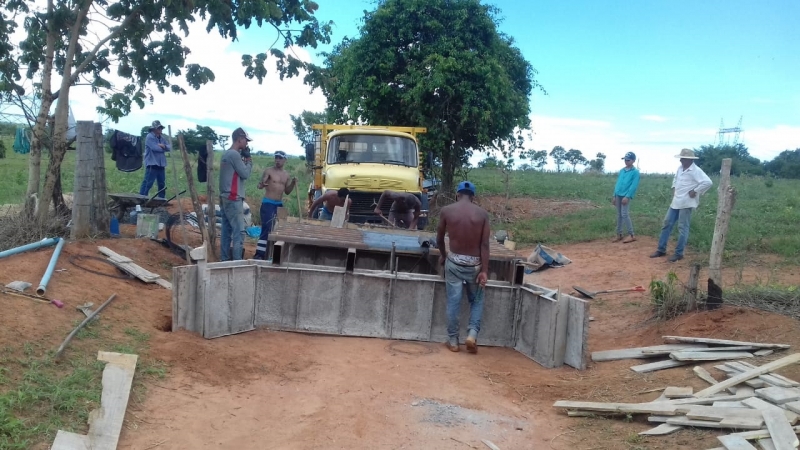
195	140
559	156
439	64
301	124
785	165
575	157
710	159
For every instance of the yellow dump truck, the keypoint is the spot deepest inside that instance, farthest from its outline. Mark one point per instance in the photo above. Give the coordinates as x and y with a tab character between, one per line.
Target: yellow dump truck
367	160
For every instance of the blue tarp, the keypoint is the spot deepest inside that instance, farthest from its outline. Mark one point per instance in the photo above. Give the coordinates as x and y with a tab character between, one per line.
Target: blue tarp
384	241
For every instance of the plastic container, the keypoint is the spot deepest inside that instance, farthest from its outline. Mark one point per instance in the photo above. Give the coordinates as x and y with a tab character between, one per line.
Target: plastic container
147	225
114	226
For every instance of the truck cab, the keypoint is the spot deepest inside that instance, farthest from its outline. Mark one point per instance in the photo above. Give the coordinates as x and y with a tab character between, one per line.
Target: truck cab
367	160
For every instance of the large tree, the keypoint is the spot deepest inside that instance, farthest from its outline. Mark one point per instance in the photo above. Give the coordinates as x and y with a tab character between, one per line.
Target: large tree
301	124
440	64
710	159
71	42
785	165
575	157
559	155
537	158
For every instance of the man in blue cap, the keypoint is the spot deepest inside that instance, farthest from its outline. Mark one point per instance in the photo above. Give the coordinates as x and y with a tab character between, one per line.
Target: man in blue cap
276	182
466	263
625	189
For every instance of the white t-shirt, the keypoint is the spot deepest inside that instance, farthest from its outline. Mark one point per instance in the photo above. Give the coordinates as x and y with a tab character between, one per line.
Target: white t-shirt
687	180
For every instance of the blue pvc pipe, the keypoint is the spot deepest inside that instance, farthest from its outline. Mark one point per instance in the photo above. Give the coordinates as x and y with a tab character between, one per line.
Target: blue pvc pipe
50	267
46	242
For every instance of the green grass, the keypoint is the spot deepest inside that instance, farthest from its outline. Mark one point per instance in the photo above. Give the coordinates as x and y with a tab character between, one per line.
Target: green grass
764	218
39	396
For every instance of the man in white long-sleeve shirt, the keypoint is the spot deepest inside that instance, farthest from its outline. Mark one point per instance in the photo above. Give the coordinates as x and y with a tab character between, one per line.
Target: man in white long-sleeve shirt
689	184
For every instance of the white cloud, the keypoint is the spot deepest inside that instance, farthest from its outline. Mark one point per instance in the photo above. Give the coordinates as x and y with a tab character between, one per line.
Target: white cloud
654	118
766	143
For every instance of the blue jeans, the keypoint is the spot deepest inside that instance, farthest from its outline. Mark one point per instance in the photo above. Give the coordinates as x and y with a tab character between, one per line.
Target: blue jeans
154	174
268	212
456	277
232	230
324	214
623	218
682	217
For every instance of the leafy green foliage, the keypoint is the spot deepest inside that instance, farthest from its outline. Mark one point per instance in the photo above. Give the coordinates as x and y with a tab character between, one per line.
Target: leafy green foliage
195	140
559	156
599	163
493	162
667	297
575	157
537	158
440	64
710	159
301	124
785	165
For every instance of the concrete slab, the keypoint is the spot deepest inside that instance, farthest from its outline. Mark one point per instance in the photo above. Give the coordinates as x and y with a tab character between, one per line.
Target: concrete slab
319	300
365	305
411	309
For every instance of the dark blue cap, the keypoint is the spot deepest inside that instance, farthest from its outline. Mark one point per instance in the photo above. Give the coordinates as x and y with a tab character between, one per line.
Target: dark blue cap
466	186
280	154
630	155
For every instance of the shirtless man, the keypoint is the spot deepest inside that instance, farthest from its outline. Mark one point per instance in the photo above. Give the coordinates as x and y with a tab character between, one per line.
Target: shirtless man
275	183
329	201
405	208
467	262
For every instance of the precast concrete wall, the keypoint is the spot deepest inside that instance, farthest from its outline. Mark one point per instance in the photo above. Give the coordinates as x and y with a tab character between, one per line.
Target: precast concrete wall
219	299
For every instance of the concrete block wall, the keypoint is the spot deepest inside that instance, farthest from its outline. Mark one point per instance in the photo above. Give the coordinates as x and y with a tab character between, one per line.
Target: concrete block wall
233	297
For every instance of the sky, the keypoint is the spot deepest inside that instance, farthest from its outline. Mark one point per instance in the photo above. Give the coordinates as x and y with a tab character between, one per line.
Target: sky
650	77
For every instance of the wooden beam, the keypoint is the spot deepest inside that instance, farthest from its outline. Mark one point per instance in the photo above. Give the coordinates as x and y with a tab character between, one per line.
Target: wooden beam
187	168
752	373
724	206
780	430
690	292
697	340
211	198
643	352
661	430
662	408
732	442
778	395
761	405
678	392
659	365
178	197
708	356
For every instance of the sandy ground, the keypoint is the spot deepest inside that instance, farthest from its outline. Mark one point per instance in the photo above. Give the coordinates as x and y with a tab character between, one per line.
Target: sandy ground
280	390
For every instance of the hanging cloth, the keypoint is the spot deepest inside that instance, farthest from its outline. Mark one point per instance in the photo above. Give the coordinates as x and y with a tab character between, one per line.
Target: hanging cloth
22	144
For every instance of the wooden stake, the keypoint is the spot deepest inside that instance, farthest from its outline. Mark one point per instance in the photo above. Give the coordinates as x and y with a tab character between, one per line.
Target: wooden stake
299	208
88	319
691	288
210	200
178	197
198	210
724	207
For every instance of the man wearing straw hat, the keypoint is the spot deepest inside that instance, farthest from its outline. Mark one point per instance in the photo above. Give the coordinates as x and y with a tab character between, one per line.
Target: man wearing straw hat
689	184
155	161
465	261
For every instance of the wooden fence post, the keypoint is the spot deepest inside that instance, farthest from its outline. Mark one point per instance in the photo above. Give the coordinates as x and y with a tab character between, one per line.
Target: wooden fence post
727	197
198	209
102	216
691	288
82	197
211	201
178	197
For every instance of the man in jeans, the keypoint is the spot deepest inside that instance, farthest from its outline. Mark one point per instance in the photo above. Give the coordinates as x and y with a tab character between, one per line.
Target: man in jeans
233	170
155	160
465	263
689	184
624	190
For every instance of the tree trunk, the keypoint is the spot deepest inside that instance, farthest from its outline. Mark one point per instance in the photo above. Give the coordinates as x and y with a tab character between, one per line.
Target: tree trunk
39	129
448	171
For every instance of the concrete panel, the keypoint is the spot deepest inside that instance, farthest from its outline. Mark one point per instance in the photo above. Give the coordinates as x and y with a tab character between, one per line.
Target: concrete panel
241	299
217	309
577	333
319	300
411	309
187	311
536	329
499	308
365	305
277	297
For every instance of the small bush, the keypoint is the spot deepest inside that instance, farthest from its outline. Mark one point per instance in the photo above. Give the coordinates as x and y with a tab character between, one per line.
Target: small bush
777	299
667	297
19	229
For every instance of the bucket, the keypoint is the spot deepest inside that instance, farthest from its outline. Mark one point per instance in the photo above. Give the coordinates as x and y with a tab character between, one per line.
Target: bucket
147	225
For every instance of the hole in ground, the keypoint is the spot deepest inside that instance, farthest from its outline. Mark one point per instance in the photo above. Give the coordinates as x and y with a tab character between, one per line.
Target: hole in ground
164	324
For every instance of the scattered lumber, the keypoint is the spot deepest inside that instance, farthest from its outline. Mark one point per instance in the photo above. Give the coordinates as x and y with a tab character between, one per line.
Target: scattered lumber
678	392
752	373
661	408
761	405
760	434
700	412
696	340
793	406
715	349
105	423
766	444
128	266
780	430
764	352
788	381
732	442
706	376
642	352
778	395
708	356
659	365
735	423
661	430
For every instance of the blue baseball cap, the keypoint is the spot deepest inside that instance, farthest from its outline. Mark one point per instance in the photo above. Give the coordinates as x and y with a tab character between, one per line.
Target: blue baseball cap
466	186
630	155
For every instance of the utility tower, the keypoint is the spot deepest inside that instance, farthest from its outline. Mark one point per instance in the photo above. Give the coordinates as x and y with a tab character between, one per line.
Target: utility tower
722	140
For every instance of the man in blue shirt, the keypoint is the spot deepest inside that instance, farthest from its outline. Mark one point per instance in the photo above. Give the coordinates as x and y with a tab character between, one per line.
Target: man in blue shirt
155	161
625	189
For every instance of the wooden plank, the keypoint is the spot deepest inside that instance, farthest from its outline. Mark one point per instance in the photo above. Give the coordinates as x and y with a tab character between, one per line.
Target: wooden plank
639	352
661	408
734	368
766	444
729	405
793	406
696	340
733	442
745	391
659	365
764	352
105	423
678	392
658	419
766	368
708	356
560	343
66	440
788	381
780	430
711	399
699	412
661	430
710	349
759	434
735	424
761	405
706	376
778	395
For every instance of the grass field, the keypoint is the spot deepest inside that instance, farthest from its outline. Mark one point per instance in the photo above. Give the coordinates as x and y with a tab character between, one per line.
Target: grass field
764	219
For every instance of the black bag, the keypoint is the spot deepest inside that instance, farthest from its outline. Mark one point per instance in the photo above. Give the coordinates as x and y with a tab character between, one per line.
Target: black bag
127	151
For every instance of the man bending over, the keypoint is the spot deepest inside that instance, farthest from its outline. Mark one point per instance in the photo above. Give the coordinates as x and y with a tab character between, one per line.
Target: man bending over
466	263
329	201
405	209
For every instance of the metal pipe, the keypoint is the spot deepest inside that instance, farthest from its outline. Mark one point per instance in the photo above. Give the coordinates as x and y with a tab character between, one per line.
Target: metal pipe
46	242
50	267
391	258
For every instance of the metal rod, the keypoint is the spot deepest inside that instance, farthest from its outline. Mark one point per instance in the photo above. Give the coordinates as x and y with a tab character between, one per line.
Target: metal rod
391	258
50	267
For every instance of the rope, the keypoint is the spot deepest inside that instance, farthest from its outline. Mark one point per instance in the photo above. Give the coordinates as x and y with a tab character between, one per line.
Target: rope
74	259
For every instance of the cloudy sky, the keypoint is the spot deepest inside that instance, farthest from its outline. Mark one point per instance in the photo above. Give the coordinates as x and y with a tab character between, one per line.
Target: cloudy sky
648	77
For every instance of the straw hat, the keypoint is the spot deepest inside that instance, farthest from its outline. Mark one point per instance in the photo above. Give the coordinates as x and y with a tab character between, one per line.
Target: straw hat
687	154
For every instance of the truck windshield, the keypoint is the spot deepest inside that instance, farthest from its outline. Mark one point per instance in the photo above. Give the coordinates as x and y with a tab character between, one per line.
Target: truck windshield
367	148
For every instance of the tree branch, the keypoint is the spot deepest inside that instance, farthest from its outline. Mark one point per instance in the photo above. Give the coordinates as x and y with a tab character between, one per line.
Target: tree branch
96	49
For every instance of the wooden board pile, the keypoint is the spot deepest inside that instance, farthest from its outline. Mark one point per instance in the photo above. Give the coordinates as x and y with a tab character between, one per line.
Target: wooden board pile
683	351
753	403
127	265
